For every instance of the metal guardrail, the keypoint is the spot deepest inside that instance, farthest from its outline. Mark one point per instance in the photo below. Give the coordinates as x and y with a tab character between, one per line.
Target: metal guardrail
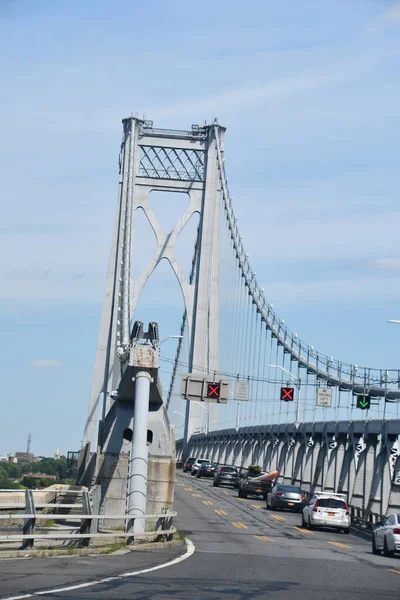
87	519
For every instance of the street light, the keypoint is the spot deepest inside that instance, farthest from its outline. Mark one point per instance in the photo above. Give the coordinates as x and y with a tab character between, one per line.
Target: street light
170	337
297	381
205	410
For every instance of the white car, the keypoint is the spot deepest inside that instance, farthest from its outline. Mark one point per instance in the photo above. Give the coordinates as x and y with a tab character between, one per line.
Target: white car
196	465
327	510
386	537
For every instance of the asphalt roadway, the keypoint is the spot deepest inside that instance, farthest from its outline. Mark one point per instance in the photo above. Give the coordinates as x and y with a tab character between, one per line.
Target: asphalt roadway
242	551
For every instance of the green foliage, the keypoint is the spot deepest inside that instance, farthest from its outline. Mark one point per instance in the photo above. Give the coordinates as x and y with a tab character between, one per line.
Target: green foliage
47	466
5	482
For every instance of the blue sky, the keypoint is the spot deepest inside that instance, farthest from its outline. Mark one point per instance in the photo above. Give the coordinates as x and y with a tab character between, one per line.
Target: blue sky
309	93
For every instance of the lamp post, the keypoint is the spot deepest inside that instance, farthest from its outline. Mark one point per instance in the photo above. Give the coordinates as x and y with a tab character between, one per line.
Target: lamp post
297	382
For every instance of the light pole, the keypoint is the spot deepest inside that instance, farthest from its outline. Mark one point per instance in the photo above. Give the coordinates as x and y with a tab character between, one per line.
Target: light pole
297	381
205	410
170	337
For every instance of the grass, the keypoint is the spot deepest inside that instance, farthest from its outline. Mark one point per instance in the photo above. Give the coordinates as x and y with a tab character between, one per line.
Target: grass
114	548
49	523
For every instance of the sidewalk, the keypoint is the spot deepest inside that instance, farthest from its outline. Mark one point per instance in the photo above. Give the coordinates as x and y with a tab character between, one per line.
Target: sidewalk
24	576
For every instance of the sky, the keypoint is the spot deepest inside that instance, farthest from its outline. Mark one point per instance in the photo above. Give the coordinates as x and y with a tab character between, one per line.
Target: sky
309	93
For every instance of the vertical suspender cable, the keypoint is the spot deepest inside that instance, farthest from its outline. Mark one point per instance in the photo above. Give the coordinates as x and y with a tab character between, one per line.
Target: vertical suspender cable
127	250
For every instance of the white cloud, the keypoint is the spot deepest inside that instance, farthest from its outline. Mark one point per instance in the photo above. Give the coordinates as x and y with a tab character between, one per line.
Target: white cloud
392	264
46	364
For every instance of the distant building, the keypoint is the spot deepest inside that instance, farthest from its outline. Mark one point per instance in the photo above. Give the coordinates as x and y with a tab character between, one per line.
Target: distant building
3	458
27	456
41	476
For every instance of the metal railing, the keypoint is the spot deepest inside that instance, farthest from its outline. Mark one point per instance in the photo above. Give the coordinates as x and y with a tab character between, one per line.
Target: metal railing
86	526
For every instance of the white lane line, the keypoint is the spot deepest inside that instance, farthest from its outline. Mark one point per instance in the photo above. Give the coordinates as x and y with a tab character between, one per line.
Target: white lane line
190	548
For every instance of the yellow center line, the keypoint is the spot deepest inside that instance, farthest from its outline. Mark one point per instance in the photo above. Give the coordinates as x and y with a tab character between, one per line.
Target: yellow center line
263	538
278	518
188	490
241	499
304	530
223	512
196	495
394	571
208	503
339	545
225	492
239	525
255	505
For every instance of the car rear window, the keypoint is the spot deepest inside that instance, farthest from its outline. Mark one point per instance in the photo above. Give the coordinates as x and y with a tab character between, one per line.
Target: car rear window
228	470
202	461
256	473
331	503
289	488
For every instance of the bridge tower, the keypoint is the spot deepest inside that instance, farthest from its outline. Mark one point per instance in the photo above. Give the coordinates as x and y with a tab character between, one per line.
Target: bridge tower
162	160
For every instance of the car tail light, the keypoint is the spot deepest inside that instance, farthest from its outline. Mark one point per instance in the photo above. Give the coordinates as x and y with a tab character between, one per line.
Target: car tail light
303	496
347	510
279	494
396	531
315	508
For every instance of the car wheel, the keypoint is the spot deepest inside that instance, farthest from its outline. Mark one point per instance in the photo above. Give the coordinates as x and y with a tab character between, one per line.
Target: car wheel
375	550
192	473
198	475
240	493
244	494
386	551
346	530
303	523
215	483
309	523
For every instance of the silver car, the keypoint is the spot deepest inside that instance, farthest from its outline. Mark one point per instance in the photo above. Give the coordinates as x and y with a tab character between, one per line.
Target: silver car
197	464
386	537
327	510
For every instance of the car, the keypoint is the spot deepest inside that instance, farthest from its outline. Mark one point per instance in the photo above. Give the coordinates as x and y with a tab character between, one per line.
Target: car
197	463
250	485
189	464
206	469
327	510
386	537
226	475
286	496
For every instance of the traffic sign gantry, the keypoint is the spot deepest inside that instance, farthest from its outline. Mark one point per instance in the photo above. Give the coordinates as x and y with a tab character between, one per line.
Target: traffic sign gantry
198	388
287	394
363	402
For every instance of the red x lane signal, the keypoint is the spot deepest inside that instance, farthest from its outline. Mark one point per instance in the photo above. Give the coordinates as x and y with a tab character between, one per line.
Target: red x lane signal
213	390
287	394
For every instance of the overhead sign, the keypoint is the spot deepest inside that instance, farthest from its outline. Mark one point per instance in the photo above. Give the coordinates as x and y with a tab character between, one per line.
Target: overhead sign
242	391
198	388
287	394
364	402
324	397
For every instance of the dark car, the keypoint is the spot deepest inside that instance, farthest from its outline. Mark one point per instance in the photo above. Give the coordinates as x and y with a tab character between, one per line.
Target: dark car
249	485
286	496
226	476
189	464
206	469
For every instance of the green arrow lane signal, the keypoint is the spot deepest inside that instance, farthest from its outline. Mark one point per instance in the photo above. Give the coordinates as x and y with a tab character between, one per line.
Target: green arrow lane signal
363	402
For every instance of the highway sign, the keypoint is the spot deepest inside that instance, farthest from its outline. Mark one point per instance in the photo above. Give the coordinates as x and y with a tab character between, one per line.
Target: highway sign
242	391
324	397
287	394
197	388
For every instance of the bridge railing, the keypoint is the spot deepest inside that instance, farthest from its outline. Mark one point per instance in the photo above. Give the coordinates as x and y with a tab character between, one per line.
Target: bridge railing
83	525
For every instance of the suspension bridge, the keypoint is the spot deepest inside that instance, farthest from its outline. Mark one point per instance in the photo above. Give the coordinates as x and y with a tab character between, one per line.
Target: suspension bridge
339	428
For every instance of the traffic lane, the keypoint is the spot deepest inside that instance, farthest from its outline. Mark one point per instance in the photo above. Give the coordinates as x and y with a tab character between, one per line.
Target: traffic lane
246	523
285	523
24	576
234	563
